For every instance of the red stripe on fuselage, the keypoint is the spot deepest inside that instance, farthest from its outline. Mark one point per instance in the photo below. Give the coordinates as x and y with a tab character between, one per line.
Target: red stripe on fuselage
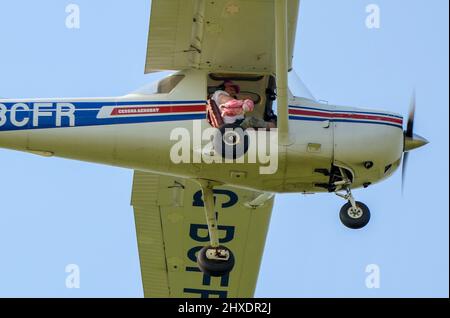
345	115
155	109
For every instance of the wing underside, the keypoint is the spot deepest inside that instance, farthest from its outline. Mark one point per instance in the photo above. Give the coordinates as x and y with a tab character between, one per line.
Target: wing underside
221	35
171	229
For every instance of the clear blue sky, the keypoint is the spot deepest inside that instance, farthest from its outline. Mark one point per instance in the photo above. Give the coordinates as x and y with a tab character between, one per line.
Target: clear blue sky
55	212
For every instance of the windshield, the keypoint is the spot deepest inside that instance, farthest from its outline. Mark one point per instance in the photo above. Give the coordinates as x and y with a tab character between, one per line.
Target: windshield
297	87
157	86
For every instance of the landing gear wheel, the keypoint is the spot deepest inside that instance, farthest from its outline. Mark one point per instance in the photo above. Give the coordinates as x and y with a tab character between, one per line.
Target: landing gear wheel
231	141
355	218
215	267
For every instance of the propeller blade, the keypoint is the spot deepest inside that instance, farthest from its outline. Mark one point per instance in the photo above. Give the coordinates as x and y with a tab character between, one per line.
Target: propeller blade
411	140
412	111
409	136
404	167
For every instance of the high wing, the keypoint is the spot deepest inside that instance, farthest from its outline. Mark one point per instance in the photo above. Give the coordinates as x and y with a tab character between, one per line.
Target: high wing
220	35
171	228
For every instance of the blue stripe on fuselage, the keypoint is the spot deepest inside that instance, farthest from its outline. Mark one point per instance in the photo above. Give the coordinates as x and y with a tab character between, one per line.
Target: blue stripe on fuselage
85	114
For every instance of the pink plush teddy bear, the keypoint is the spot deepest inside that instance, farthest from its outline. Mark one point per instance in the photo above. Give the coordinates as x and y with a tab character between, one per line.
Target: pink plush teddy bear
236	107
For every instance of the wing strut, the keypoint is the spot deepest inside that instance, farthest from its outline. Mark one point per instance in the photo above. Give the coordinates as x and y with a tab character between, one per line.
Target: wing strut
197	33
282	62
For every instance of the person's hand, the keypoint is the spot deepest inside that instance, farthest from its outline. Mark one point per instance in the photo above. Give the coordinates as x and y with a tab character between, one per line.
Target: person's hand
248	105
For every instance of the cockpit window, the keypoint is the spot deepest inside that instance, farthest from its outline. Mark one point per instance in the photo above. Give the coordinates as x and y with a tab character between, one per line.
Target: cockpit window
167	85
297	87
161	86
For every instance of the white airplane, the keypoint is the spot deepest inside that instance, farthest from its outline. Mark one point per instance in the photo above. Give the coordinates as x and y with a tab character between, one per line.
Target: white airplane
319	148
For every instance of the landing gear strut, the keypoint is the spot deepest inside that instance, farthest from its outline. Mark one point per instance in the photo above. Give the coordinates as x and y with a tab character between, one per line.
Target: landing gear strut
214	259
354	214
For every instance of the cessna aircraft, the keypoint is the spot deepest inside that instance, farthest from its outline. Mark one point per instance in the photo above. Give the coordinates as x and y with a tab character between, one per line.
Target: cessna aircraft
201	224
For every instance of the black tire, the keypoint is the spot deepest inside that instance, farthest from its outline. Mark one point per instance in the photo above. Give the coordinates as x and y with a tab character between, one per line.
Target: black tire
231	141
354	220
215	268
